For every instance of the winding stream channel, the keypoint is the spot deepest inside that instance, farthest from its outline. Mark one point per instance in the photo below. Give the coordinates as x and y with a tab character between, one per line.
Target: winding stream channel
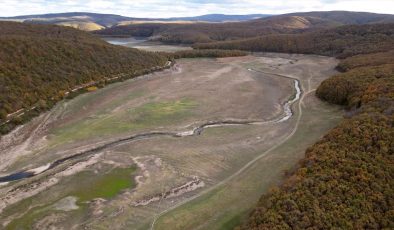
287	114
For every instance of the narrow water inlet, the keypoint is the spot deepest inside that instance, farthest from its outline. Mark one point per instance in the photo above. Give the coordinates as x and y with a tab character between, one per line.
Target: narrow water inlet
16	176
287	106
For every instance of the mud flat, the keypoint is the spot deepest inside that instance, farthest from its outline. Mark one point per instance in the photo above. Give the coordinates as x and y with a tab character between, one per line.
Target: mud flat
201	141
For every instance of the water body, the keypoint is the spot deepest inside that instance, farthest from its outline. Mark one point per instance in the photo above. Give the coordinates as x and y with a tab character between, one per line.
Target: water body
143	43
131	41
16	176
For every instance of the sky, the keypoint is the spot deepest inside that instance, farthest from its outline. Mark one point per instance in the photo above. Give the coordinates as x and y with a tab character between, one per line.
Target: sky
181	8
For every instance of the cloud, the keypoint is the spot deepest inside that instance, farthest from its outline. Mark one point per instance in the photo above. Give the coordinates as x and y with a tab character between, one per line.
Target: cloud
176	8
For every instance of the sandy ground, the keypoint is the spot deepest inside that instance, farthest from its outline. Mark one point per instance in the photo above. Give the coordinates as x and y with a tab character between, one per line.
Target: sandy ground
170	170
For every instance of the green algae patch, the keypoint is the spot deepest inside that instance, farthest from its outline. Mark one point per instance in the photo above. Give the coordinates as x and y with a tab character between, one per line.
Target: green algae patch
105	186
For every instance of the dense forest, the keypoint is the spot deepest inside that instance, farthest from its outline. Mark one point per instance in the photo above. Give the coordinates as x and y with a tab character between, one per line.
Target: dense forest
346	180
342	42
40	63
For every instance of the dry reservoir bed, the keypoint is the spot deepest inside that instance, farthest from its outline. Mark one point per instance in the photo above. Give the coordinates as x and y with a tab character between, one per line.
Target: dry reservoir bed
191	147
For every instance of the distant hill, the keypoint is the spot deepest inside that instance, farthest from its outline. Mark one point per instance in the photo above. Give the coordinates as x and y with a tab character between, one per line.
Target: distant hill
279	24
79	20
93	21
39	63
348	17
221	17
211	32
101	19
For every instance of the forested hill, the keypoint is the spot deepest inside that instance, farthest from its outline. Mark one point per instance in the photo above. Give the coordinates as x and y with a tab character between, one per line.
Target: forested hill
95	21
346	180
211	32
279	24
39	63
342	41
348	17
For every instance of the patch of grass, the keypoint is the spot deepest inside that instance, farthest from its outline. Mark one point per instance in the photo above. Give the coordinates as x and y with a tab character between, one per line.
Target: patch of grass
104	124
103	186
234	221
75	105
90	186
28	220
22	205
158	112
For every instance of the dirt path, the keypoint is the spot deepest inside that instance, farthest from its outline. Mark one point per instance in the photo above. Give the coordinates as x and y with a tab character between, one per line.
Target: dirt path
250	163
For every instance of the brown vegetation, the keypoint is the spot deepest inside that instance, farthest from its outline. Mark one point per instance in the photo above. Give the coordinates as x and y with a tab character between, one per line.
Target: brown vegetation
342	42
346	179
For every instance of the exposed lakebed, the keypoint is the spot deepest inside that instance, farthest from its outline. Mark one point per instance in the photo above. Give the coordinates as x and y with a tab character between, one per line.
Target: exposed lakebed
149	145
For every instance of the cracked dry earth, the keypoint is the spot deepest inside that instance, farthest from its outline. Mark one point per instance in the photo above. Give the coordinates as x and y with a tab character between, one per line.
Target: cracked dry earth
109	175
